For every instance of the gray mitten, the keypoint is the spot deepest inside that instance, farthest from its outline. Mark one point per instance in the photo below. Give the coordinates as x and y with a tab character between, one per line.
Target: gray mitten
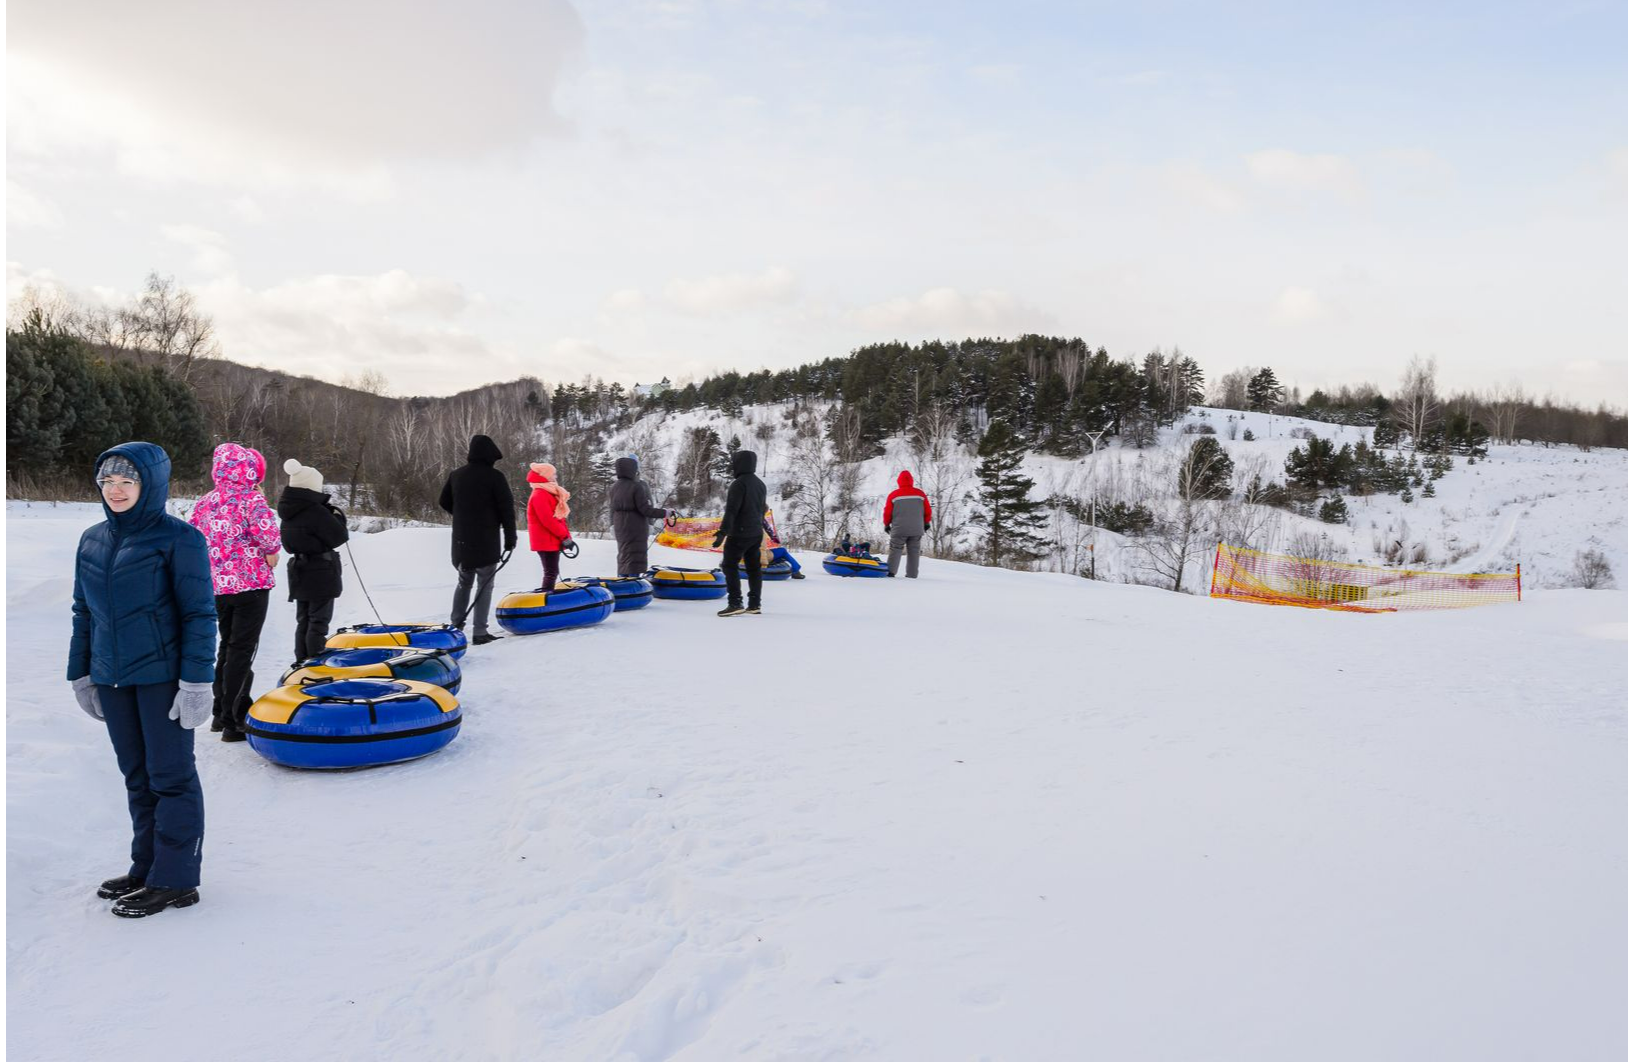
87	697
192	705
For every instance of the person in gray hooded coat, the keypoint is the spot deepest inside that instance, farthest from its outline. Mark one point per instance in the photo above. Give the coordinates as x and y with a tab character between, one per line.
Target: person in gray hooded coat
632	509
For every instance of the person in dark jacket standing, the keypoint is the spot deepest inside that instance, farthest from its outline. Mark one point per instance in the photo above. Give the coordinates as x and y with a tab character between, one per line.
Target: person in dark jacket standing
311	529
907	516
481	504
632	509
141	660
742	529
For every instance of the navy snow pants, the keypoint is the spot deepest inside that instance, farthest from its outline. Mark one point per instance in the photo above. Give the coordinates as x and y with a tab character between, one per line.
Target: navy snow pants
168	810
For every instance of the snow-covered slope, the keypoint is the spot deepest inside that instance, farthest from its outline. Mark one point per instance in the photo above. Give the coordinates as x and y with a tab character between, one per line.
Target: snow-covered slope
1530	505
987	814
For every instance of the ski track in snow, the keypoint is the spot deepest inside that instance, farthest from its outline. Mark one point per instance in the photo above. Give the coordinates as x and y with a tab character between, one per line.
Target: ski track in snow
985	815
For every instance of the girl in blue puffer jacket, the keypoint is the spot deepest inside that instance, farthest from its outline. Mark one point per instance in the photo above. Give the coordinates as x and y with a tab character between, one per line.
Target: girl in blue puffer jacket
141	660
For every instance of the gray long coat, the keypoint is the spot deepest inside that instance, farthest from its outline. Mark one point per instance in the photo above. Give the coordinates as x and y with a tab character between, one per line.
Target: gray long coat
631	505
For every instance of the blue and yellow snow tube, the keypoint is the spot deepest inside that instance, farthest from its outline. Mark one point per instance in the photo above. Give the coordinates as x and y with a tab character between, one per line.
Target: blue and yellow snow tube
421	665
352	723
630	594
442	636
848	565
688	584
534	612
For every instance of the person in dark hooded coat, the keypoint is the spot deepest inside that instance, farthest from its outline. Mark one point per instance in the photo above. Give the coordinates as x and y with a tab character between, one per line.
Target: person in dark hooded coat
311	529
742	529
632	510
142	657
481	504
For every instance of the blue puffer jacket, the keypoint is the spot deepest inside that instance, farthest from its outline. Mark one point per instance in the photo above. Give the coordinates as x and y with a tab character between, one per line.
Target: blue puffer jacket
143	605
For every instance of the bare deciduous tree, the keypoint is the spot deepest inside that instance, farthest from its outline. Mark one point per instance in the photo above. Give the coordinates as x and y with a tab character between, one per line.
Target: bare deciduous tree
165	320
1417	406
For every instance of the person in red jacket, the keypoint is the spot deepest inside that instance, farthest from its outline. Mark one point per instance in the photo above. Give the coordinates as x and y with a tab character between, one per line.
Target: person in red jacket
546	525
908	516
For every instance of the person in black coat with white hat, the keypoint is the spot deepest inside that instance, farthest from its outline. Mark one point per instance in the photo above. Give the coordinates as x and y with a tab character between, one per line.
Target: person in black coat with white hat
311	529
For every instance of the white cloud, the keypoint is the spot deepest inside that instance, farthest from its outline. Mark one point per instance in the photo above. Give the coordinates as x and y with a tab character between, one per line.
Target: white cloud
950	313
1201	189
26	210
730	292
1289	171
1298	306
412	329
1414	173
323	92
211	253
248	210
622	303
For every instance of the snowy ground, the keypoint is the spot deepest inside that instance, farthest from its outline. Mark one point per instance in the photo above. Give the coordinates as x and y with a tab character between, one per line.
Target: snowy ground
983	815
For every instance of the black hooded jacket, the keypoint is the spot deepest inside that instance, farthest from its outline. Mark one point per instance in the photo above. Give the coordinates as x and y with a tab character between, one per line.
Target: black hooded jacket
480	501
745	502
311	529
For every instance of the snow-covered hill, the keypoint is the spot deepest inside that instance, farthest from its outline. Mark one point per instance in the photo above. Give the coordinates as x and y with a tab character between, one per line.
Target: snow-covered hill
988	814
1530	505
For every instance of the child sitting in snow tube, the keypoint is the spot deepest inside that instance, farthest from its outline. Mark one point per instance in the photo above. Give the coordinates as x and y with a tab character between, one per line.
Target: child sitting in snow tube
855	560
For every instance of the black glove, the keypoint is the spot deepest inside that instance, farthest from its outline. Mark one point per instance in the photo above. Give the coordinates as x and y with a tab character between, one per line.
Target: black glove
928	527
888	529
719	537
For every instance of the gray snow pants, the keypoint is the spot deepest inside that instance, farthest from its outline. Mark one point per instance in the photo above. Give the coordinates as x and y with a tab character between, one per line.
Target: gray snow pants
482	597
899	544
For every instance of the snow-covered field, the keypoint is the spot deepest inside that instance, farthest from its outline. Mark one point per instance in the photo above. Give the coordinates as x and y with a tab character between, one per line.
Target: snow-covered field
987	814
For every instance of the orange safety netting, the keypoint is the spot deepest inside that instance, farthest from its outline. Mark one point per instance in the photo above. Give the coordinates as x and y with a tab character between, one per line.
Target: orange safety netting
697	532
1273	579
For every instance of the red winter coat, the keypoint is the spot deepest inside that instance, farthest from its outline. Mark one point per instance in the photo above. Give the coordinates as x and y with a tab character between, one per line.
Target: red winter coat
546	531
907	518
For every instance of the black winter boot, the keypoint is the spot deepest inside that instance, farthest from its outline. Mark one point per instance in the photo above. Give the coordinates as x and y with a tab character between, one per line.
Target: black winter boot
733	608
114	888
147	901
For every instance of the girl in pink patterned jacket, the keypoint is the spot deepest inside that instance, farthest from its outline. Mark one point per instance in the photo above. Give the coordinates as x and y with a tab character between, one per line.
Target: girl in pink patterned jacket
243	541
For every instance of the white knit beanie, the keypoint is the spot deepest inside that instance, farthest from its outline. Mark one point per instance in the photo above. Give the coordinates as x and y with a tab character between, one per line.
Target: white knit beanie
303	476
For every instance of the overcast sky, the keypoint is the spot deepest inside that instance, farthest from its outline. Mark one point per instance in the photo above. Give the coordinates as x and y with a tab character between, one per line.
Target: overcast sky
459	193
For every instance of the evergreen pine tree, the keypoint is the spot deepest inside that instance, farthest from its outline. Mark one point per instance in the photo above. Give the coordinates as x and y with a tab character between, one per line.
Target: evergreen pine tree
1011	523
1429	489
1335	510
1264	392
1206	472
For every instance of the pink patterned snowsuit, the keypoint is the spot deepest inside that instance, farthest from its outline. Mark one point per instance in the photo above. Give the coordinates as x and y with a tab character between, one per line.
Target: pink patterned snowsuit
239	526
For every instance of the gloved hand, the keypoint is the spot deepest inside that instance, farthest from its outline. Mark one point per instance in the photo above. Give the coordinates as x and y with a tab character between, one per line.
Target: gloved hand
888	529
192	705
928	527
87	697
719	537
